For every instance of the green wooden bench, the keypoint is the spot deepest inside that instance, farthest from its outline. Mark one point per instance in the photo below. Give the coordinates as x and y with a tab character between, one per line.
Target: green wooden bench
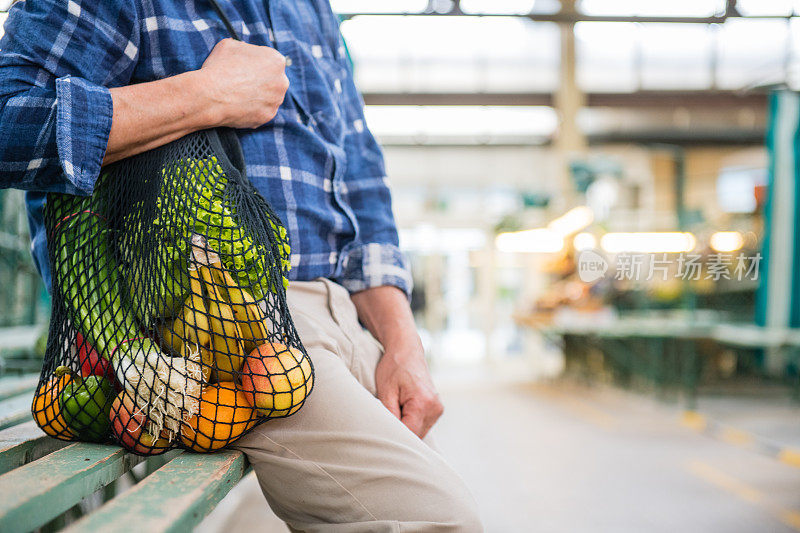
42	480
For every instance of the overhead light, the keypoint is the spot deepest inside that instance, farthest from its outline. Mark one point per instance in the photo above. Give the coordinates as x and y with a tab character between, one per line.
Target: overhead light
727	241
539	240
584	241
572	221
648	242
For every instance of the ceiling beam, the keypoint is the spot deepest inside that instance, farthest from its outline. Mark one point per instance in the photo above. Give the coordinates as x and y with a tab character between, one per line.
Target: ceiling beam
637	99
677	137
576	17
681	137
569	15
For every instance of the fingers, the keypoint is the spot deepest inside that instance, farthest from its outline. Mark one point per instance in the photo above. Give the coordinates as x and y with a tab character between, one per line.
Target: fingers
391	401
414	419
405	388
419	415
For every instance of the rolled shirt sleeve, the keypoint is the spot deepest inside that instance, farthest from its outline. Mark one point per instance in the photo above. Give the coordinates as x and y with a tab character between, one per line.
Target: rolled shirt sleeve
59	58
375	265
84	112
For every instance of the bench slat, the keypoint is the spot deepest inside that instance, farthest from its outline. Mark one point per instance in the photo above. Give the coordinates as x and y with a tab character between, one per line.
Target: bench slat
18	385
25	443
15	410
37	492
174	498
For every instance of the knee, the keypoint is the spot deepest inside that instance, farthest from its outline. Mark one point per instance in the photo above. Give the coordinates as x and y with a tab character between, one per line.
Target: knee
463	516
451	509
467	521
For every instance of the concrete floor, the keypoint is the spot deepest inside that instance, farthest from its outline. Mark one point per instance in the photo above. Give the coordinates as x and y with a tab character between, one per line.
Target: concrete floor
563	458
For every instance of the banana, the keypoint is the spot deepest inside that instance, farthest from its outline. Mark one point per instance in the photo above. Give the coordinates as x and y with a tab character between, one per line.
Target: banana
191	325
206	357
190	332
251	319
170	340
226	344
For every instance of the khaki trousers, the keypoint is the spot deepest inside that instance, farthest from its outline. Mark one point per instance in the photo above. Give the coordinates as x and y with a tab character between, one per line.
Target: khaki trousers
344	463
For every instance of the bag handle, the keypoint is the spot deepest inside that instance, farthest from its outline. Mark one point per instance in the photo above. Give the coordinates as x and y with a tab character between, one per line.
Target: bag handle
226	137
230	146
225	20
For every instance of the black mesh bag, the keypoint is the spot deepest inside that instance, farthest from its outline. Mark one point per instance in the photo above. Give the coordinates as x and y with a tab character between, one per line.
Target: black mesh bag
170	326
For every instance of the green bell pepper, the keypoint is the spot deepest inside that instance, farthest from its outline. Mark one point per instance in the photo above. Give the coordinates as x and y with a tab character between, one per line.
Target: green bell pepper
85	405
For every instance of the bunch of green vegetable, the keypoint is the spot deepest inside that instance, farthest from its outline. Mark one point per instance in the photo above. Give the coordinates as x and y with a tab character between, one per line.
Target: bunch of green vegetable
206	211
193	201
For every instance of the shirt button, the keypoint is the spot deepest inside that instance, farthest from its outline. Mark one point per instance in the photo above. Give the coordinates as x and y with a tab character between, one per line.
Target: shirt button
288	61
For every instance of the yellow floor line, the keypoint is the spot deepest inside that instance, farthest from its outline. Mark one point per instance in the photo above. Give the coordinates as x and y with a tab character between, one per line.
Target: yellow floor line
790	457
593	414
791	518
737	437
745	492
581	408
694	420
697	422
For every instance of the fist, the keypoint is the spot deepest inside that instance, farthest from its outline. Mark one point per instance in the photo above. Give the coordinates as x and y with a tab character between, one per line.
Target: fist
244	84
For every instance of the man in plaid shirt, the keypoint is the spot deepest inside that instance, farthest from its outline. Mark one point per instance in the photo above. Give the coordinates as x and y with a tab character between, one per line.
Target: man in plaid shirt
89	82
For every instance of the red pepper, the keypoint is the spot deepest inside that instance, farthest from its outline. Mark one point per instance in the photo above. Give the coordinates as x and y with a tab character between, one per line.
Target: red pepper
91	362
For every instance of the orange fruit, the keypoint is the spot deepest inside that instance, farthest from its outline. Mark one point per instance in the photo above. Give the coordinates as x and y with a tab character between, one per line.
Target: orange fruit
47	408
224	416
276	379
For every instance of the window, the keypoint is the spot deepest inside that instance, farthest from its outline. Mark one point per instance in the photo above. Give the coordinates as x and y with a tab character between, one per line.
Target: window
453	54
760	8
654	8
510	7
384	6
752	53
675	56
606	56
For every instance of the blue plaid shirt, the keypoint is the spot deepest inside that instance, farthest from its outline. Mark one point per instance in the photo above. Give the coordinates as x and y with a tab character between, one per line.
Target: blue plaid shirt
315	162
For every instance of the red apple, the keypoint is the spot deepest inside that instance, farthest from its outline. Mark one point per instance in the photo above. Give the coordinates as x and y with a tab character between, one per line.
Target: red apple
127	424
276	380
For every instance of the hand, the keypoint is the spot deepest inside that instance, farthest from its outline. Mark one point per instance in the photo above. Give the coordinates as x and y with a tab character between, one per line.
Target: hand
402	379
244	84
406	389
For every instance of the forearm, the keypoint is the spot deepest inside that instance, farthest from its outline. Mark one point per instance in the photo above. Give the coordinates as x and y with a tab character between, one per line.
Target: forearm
386	313
148	115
